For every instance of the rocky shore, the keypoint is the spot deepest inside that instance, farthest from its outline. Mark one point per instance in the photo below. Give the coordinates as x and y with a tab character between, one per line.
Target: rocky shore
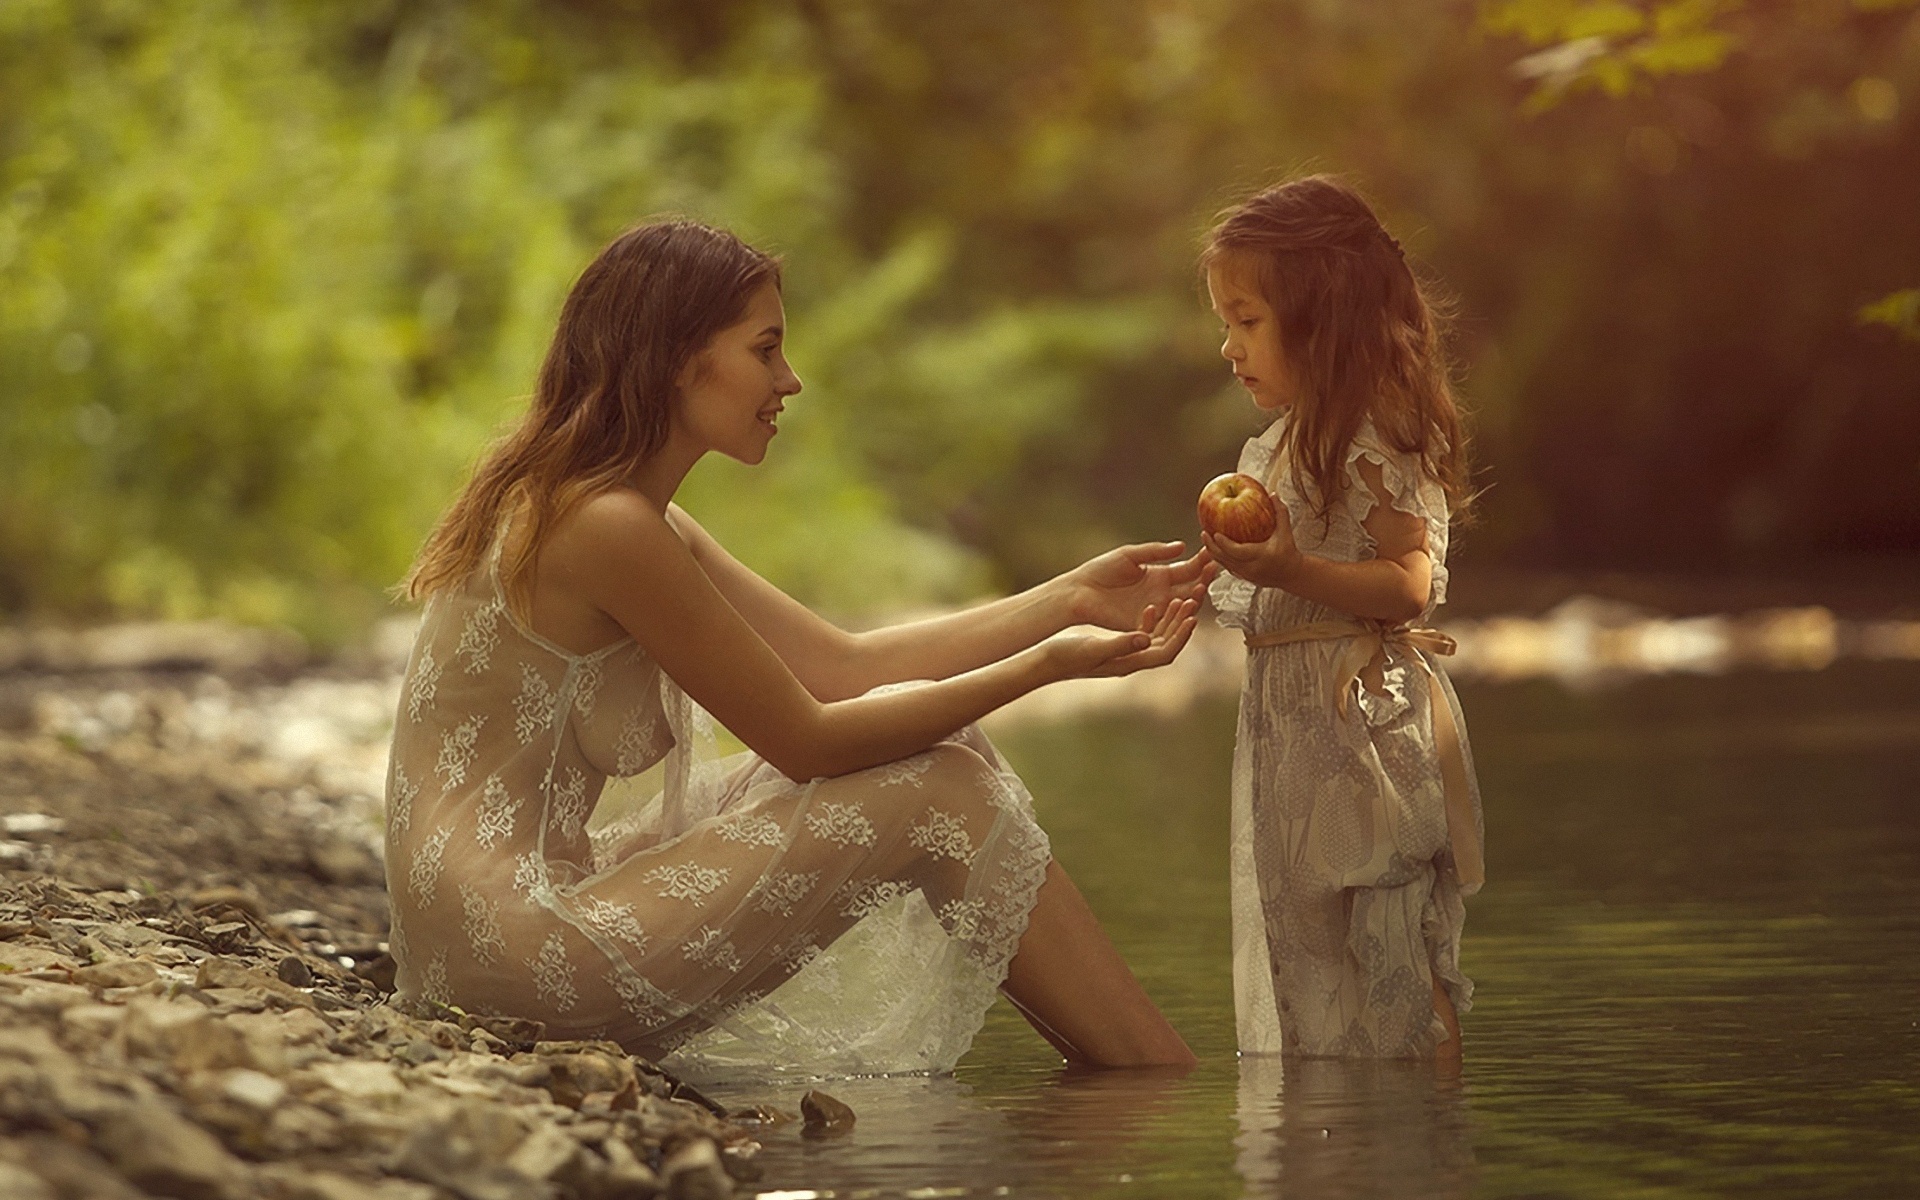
194	994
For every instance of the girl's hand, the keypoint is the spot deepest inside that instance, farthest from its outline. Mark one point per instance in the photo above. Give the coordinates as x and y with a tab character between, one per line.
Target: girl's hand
1272	563
1118	589
1162	634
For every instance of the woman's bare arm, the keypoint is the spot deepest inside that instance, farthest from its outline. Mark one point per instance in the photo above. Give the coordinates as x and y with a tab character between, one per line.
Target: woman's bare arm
622	556
1114	590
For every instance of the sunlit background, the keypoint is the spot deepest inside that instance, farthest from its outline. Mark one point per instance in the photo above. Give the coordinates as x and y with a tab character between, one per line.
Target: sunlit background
271	274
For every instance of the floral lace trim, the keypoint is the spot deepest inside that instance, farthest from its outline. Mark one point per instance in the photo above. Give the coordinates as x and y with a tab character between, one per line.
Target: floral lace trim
1408	491
989	926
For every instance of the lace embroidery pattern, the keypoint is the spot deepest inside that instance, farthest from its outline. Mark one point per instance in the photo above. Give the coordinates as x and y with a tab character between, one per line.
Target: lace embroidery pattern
784	889
944	836
535	707
586	688
457	750
964	919
553	973
907	771
862	898
797	953
751	829
530	877
636	739
482	923
423	878
842	823
397	936
687	881
426	681
711	947
643	1002
494	819
400	798
616	921
480	636
734	1007
570	804
433	983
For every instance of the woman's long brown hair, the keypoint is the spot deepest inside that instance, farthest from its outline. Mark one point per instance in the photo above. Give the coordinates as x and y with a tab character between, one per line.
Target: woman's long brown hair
603	404
1357	332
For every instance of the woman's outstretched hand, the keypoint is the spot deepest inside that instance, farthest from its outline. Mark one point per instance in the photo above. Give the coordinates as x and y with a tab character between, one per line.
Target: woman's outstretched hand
1162	634
1117	589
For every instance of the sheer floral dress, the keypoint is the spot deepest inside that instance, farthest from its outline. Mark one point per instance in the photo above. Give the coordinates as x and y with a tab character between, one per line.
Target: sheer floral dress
1346	870
738	922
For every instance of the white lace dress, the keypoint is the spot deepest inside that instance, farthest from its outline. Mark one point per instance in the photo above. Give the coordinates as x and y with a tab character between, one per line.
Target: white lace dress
1344	881
739	923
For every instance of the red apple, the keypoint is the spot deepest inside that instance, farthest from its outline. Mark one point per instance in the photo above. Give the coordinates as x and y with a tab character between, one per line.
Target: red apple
1237	508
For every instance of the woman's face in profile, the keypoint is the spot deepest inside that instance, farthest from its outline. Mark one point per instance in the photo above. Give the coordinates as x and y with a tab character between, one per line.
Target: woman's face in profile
732	392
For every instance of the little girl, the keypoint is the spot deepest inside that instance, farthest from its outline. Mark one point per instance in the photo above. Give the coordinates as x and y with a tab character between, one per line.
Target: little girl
1356	819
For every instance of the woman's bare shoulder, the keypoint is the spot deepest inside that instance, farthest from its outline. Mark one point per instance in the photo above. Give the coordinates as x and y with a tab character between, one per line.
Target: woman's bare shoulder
618	524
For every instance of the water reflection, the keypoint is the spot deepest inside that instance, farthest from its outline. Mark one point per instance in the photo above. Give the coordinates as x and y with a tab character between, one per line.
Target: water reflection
1349	1129
1694	967
1035	1133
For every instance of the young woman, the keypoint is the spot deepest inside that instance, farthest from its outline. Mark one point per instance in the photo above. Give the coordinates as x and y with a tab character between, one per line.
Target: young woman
846	896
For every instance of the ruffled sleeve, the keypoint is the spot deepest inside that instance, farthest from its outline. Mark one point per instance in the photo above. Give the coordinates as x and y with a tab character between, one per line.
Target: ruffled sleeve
1232	596
1409	489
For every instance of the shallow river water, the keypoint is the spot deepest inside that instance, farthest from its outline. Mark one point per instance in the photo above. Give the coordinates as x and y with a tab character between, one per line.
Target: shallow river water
1698	962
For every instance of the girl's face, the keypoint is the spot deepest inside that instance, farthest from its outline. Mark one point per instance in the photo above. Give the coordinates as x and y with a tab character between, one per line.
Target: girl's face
733	391
1252	344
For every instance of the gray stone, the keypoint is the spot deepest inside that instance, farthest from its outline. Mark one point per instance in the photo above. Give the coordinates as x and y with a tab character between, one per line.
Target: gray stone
84	1027
464	1152
74	1171
164	1153
18	1183
694	1172
824	1115
367	1081
294	972
626	1174
340	859
218	972
117	973
185	1035
549	1155
252	1089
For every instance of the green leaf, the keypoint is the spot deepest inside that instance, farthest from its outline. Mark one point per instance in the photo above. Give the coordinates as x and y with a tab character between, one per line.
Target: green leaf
1899	311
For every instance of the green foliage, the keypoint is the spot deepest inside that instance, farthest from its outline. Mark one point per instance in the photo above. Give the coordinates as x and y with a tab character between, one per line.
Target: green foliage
262	297
1616	45
272	273
1898	311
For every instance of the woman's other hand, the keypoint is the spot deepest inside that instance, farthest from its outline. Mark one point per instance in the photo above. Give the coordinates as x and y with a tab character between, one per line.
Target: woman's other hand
1163	633
1272	563
1117	589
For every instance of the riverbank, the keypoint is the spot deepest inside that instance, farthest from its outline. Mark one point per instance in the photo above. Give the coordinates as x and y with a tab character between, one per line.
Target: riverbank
194	991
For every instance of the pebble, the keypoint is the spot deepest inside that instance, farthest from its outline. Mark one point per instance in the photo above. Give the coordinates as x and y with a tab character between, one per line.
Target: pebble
825	1116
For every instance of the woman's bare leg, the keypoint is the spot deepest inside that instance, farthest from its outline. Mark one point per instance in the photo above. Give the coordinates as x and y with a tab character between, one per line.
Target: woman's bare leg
1076	990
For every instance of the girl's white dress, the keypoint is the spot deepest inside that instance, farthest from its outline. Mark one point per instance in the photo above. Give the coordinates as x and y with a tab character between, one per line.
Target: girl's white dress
739	922
1346	891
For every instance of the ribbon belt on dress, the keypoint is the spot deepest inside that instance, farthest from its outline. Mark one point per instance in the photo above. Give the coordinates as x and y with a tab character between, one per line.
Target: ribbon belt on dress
1368	643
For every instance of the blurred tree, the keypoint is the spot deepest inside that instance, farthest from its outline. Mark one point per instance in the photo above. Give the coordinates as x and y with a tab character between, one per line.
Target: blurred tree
271	273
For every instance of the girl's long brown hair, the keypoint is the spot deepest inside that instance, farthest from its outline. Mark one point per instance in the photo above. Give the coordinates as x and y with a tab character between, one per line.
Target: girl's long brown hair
637	315
1357	333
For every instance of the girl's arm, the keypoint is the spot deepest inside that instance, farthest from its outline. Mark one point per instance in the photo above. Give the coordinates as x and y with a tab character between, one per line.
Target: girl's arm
1114	590
1392	586
623	556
